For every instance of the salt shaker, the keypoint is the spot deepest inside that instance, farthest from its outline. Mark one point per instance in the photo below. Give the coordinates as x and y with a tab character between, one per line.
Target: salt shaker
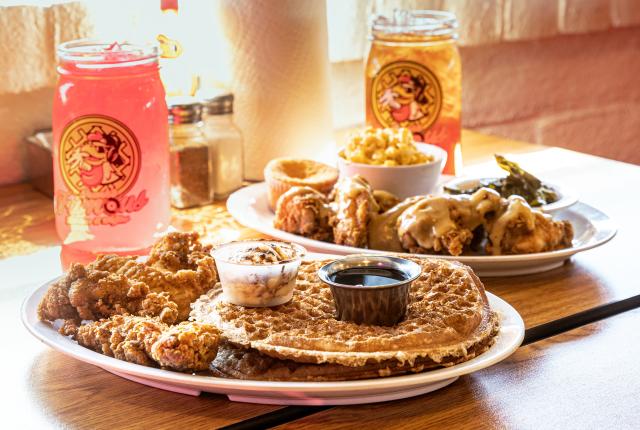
192	155
225	137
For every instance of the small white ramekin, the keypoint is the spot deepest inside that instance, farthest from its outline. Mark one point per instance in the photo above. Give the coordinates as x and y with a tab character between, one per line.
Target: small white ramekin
256	285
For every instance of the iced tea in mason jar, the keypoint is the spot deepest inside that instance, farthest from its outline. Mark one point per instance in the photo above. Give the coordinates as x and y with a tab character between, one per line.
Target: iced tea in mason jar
413	78
111	150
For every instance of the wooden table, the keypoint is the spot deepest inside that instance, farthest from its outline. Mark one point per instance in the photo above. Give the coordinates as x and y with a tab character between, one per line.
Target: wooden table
576	369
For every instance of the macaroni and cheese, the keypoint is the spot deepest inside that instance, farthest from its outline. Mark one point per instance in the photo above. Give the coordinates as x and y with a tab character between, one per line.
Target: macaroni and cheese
384	147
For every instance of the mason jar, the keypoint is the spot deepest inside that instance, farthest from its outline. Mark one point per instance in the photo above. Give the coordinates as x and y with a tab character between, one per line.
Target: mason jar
111	150
413	78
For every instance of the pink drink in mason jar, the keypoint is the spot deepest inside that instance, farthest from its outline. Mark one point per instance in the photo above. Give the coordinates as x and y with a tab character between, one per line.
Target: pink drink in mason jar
111	150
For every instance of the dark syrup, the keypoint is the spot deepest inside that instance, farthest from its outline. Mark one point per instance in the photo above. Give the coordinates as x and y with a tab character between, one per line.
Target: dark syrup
368	276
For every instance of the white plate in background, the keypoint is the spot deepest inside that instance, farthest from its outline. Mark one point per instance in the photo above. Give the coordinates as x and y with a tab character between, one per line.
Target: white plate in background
591	228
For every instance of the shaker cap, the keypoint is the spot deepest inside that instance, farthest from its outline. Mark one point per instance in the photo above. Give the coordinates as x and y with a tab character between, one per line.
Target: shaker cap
219	103
184	110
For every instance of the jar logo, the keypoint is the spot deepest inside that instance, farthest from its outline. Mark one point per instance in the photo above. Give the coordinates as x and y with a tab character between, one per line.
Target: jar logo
99	159
406	94
99	156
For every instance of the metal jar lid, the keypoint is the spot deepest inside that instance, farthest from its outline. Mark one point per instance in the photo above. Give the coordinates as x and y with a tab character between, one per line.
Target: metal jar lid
218	104
429	23
184	110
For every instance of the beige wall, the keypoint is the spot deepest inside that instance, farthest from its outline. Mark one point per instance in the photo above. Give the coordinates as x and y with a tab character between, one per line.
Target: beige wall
556	72
578	92
28	36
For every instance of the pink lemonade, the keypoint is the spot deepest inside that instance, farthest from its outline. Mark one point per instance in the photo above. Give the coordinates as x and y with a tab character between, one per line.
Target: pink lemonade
111	150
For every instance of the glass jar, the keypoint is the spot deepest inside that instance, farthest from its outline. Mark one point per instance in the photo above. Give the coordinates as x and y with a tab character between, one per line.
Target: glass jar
192	172
225	137
414	80
110	151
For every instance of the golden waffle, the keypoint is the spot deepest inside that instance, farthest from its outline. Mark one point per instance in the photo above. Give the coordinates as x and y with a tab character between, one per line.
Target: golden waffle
237	363
448	316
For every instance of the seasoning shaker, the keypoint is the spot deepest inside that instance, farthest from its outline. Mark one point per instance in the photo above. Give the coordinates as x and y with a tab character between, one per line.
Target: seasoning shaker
192	166
225	137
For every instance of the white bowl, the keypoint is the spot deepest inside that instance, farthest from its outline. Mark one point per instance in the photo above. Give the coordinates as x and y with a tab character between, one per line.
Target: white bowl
403	181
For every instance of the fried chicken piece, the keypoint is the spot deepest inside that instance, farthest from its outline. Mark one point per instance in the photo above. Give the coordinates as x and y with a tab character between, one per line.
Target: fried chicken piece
427	226
522	230
385	200
354	204
304	211
179	270
189	269
124	337
182	287
178	251
383	233
446	223
89	294
188	346
478	209
56	303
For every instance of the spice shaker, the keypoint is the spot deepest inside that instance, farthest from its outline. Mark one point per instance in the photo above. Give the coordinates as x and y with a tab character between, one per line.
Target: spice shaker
192	167
225	137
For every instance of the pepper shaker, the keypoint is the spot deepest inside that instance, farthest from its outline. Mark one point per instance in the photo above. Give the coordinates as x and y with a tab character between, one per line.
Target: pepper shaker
192	155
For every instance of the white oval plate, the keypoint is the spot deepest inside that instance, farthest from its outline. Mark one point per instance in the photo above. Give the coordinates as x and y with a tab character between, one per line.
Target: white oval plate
508	340
567	197
591	228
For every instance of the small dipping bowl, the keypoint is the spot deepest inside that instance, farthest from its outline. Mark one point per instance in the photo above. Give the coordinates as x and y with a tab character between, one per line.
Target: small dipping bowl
370	289
247	283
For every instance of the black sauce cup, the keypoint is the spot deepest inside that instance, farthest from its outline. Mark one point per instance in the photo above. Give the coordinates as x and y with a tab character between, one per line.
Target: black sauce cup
372	305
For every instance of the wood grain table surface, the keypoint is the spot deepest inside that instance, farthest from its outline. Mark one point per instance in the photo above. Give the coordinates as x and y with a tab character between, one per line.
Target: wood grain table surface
44	389
586	378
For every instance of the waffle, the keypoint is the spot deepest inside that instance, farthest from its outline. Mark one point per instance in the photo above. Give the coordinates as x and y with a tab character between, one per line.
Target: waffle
237	363
448	316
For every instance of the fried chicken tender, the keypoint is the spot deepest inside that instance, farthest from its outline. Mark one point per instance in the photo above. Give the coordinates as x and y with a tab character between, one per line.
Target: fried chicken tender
478	209
447	223
188	346
178	251
179	270
304	211
178	265
354	205
383	232
88	294
522	230
428	226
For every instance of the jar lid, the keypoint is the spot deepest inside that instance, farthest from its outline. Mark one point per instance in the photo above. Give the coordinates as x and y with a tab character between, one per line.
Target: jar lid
419	22
184	110
218	104
96	54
